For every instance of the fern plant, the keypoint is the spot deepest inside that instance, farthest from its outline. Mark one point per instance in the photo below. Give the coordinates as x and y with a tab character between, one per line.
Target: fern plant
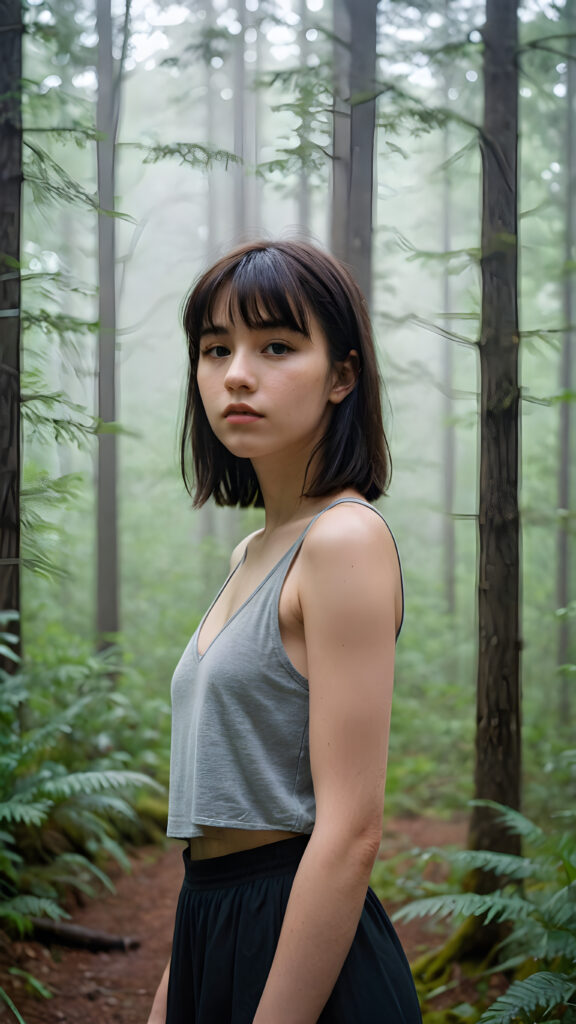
64	806
541	946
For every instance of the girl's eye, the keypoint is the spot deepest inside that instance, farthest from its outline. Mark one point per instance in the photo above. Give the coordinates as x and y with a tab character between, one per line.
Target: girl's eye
216	352
277	348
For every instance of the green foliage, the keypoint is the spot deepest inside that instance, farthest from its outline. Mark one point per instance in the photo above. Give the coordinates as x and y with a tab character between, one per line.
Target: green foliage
191	153
533	999
68	787
48	180
538	899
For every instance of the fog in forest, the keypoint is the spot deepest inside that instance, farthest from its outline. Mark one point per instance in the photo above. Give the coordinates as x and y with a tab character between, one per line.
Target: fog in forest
225	133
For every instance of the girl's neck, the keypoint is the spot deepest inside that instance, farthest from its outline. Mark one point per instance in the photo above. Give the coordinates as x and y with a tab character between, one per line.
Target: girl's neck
282	483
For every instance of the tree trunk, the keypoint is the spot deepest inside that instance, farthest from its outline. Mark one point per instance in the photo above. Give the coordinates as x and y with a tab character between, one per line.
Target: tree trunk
497	772
566	384
354	125
240	130
107	515
304	182
449	454
10	199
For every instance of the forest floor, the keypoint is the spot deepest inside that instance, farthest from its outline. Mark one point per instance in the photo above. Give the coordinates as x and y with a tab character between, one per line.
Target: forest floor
117	988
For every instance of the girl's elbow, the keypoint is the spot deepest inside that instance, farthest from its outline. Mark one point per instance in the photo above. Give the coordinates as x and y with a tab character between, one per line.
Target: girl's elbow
357	843
368	843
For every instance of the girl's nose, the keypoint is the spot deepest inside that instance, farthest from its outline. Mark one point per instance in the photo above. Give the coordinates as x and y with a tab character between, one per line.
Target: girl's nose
240	373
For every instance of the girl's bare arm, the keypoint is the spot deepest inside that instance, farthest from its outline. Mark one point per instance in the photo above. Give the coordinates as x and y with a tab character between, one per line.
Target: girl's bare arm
347	593
158	1011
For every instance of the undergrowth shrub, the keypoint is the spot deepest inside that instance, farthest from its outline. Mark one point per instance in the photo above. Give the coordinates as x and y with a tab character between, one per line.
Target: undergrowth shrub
538	898
69	782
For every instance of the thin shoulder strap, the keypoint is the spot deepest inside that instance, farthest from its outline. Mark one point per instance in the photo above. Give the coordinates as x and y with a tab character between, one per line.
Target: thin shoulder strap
340	501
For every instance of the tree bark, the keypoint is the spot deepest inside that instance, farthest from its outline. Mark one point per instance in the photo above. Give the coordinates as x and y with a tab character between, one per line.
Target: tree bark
563	654
10	200
354	124
449	439
304	183
239	170
107	507
497	772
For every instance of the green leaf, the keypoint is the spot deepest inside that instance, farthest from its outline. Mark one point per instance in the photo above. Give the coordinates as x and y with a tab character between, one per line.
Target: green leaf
7	652
502	864
495	905
541	990
94	782
26	906
515	822
4	995
26	813
32	981
191	153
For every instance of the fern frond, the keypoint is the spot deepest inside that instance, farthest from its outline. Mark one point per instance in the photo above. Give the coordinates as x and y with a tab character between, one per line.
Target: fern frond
10	861
543	991
560	910
42	739
78	862
111	806
27	813
515	822
495	905
7	652
112	847
8	615
502	864
94	782
18	910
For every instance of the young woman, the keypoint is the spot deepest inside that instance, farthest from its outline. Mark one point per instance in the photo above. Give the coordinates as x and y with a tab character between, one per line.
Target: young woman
281	701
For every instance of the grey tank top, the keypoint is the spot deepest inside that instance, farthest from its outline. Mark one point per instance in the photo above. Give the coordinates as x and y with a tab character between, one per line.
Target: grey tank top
240	755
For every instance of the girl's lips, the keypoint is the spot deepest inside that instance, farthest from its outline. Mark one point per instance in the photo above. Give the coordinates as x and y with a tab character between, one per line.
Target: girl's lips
242	417
241	414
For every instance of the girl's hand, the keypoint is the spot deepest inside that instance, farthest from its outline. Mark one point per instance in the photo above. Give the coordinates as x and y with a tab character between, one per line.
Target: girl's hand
158	1011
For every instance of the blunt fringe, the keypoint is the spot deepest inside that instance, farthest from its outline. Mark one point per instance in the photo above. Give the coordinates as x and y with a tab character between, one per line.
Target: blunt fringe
283	282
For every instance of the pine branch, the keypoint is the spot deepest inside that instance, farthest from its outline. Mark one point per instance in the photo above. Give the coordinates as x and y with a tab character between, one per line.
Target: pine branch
193	154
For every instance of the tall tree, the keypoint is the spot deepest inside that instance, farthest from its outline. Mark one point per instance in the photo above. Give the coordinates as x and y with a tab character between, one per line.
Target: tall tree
304	182
240	220
353	135
497	771
10	199
449	429
565	456
107	115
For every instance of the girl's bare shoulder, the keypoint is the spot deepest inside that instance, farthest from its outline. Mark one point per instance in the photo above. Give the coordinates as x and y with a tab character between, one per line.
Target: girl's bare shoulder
349	528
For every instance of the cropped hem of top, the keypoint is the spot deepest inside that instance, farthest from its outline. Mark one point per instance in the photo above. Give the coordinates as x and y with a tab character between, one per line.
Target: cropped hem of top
240	754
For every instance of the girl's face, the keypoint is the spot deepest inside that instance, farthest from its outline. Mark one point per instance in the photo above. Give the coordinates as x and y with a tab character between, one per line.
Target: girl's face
267	390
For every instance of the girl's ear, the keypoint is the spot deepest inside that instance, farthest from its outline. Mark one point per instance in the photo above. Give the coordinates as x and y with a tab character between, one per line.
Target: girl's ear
344	377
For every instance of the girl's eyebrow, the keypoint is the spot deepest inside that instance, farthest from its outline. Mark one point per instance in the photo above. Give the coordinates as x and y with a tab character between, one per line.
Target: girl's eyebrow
268	325
213	329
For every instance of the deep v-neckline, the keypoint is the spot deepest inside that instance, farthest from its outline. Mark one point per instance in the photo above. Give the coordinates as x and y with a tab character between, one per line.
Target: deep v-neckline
298	541
235	614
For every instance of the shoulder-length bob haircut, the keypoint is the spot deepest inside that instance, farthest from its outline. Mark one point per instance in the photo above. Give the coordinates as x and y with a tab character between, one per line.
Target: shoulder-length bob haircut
281	284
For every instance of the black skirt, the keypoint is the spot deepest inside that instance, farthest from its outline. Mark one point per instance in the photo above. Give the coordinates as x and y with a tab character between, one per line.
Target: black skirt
227	926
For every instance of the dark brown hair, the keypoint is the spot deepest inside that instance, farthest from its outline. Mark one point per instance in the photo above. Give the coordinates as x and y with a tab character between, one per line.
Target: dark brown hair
282	283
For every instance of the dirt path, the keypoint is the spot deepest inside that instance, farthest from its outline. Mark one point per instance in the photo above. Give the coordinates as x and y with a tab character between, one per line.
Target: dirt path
117	988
